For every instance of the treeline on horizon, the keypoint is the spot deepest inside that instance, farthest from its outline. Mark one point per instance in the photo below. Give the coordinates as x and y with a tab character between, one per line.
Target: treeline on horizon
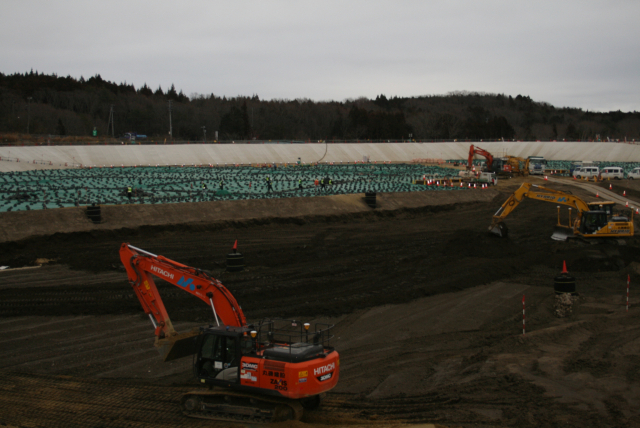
49	104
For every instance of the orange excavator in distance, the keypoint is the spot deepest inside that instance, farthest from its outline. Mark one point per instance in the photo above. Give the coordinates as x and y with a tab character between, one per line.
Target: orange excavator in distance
478	151
492	164
255	373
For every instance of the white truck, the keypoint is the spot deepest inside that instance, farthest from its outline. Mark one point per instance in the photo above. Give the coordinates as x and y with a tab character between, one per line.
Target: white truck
479	177
488	177
537	165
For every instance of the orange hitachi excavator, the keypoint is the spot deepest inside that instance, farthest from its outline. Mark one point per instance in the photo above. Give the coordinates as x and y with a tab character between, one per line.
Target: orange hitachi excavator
492	164
255	373
478	151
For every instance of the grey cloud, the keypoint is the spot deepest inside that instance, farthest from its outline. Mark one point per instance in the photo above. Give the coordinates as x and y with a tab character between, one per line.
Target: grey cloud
568	53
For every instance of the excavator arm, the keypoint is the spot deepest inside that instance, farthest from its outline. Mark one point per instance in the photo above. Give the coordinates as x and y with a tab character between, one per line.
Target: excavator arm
141	266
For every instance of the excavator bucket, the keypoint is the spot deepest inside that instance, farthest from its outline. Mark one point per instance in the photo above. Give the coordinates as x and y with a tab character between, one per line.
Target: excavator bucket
562	233
178	346
499	229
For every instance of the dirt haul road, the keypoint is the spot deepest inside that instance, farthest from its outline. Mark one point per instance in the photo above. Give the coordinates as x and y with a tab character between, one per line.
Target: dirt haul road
428	308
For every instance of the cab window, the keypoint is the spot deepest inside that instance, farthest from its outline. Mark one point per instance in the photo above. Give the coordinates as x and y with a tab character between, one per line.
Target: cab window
217	353
246	345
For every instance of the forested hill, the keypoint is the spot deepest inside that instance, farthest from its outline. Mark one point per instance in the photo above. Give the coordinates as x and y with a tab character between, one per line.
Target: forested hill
49	104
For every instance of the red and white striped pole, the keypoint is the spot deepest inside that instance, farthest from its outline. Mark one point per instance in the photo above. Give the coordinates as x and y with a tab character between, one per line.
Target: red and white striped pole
523	328
628	281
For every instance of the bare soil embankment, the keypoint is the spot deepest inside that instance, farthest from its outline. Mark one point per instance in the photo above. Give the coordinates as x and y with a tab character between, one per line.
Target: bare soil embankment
427	306
24	224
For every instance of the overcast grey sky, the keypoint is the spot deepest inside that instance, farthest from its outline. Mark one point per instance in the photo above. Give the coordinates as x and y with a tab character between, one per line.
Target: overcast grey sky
569	53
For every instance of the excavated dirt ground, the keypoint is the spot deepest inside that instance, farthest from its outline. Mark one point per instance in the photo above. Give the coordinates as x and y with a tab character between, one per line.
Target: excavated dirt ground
427	306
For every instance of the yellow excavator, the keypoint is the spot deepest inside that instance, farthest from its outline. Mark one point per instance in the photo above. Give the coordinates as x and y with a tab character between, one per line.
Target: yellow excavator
518	166
591	220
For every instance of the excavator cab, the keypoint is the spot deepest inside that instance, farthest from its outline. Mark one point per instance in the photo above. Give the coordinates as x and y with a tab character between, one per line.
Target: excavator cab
219	352
606	206
497	165
592	221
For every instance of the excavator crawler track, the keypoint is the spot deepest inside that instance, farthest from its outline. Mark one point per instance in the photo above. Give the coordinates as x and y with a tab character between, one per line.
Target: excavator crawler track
224	405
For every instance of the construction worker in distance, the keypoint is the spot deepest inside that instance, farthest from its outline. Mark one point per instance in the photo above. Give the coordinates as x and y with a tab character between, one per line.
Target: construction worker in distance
269	188
330	182
315	182
129	193
204	187
221	184
322	183
300	184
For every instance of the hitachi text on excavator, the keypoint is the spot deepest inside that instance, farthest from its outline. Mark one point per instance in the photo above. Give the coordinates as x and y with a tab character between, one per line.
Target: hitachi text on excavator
255	373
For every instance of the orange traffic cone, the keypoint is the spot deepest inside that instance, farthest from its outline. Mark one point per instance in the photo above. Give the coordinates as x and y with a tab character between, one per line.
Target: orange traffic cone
564	267
627	205
609	186
545	178
624	193
235	246
597	195
574	177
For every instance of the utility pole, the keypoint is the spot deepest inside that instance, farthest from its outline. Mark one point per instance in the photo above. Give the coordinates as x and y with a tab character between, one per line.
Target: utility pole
110	123
28	112
170	124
